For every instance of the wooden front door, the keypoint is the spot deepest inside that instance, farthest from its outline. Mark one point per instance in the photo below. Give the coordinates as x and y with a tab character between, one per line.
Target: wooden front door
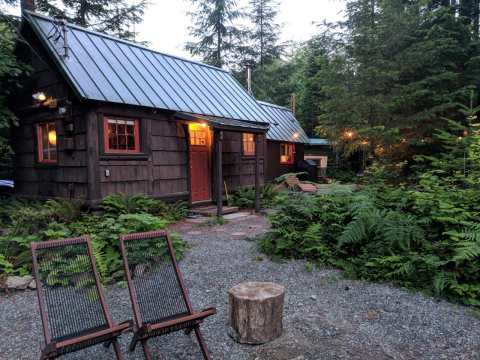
199	162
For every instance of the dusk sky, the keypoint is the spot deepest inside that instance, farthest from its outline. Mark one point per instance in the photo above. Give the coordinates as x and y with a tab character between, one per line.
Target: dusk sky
166	23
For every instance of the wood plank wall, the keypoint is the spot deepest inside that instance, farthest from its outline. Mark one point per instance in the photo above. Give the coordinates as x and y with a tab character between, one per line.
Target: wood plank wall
239	170
67	178
273	167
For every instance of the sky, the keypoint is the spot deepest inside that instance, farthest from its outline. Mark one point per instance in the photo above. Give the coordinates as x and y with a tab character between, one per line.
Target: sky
165	25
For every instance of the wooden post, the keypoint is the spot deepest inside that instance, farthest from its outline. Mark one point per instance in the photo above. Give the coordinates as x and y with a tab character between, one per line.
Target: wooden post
93	168
218	168
257	172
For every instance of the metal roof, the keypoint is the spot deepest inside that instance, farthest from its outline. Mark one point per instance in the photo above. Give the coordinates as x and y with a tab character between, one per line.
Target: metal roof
283	124
316	141
105	68
224	122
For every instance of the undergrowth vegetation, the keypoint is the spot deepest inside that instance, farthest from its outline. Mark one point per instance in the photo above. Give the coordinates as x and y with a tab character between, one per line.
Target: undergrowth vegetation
244	197
26	222
421	231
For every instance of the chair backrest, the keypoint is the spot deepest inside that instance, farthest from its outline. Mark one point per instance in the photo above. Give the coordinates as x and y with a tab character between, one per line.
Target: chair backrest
154	280
71	299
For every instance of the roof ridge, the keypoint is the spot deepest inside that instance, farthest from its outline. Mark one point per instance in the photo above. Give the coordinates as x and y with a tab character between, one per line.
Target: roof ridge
130	43
274	105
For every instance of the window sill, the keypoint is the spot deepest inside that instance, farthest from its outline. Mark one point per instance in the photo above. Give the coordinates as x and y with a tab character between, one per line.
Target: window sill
139	156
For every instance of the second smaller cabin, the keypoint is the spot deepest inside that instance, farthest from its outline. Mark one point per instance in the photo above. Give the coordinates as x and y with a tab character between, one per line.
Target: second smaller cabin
286	141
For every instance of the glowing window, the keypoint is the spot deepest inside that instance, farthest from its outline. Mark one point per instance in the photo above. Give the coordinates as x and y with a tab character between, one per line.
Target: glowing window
287	153
248	144
47	142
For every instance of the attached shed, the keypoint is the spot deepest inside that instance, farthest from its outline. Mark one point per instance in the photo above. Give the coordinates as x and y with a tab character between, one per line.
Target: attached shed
285	141
100	115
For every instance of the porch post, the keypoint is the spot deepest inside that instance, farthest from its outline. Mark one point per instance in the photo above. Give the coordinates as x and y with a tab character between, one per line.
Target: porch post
218	171
257	172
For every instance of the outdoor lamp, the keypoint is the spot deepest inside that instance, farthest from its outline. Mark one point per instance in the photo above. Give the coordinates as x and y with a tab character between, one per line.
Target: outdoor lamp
296	135
39	96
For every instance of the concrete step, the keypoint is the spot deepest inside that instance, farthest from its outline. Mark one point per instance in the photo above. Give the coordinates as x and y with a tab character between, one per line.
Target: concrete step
211	210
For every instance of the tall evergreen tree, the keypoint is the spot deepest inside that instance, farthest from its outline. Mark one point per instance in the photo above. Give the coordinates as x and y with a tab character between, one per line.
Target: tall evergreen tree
265	31
115	17
218	37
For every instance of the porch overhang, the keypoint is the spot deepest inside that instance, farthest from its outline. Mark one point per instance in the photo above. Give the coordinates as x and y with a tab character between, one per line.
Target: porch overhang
219	123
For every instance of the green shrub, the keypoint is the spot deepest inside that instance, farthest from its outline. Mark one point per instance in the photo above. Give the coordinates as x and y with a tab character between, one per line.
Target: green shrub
118	204
244	197
55	219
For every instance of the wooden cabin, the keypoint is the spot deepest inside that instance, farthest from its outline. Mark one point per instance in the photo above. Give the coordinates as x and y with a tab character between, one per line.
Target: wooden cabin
285	141
100	115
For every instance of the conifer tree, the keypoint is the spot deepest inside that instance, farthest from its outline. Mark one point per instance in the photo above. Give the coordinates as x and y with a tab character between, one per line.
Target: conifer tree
115	17
265	31
217	36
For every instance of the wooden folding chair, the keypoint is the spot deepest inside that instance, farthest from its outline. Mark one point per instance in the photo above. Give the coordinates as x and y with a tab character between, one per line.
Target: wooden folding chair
160	301
71	299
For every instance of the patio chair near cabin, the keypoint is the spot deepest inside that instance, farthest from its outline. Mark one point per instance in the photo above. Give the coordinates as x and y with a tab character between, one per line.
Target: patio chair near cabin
159	298
71	299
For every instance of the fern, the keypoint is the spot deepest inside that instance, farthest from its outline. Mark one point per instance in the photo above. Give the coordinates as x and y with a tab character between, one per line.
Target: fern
469	249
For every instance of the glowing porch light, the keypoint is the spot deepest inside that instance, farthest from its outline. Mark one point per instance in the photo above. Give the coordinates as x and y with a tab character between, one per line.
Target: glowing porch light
296	135
39	96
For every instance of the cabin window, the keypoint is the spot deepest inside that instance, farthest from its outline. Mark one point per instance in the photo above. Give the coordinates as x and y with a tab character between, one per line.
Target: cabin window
121	135
248	144
198	134
47	142
287	153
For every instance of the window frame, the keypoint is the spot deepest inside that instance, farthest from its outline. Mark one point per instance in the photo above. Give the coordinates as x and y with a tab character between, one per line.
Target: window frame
136	137
291	153
39	130
244	153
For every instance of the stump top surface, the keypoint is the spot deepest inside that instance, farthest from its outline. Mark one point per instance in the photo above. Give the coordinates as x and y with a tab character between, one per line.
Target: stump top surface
257	290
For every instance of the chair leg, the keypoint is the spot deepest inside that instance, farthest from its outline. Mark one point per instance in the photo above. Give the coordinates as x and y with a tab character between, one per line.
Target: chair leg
116	348
146	350
201	342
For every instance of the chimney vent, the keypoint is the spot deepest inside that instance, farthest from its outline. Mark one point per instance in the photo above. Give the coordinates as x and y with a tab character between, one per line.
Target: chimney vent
27	5
294	104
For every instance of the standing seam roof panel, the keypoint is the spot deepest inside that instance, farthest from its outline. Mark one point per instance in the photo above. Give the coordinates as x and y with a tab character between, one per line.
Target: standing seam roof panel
123	74
198	85
193	101
111	73
213	91
101	67
195	93
225	98
140	79
164	79
96	74
150	78
287	124
247	98
245	112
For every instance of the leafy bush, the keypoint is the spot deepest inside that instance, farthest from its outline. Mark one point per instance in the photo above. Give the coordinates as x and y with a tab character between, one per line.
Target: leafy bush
127	204
56	219
420	231
244	197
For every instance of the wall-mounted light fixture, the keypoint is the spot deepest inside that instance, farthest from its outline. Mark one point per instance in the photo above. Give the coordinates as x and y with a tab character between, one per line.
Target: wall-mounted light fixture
39	96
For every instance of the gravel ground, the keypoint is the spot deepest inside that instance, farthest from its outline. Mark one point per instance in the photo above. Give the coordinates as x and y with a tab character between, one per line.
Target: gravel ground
325	316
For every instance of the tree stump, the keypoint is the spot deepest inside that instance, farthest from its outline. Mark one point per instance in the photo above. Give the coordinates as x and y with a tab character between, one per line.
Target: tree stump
256	312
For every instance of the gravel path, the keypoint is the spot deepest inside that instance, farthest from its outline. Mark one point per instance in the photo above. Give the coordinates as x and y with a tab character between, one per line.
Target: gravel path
326	316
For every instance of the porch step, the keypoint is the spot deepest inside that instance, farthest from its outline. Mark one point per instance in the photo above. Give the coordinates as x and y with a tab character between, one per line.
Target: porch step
211	210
